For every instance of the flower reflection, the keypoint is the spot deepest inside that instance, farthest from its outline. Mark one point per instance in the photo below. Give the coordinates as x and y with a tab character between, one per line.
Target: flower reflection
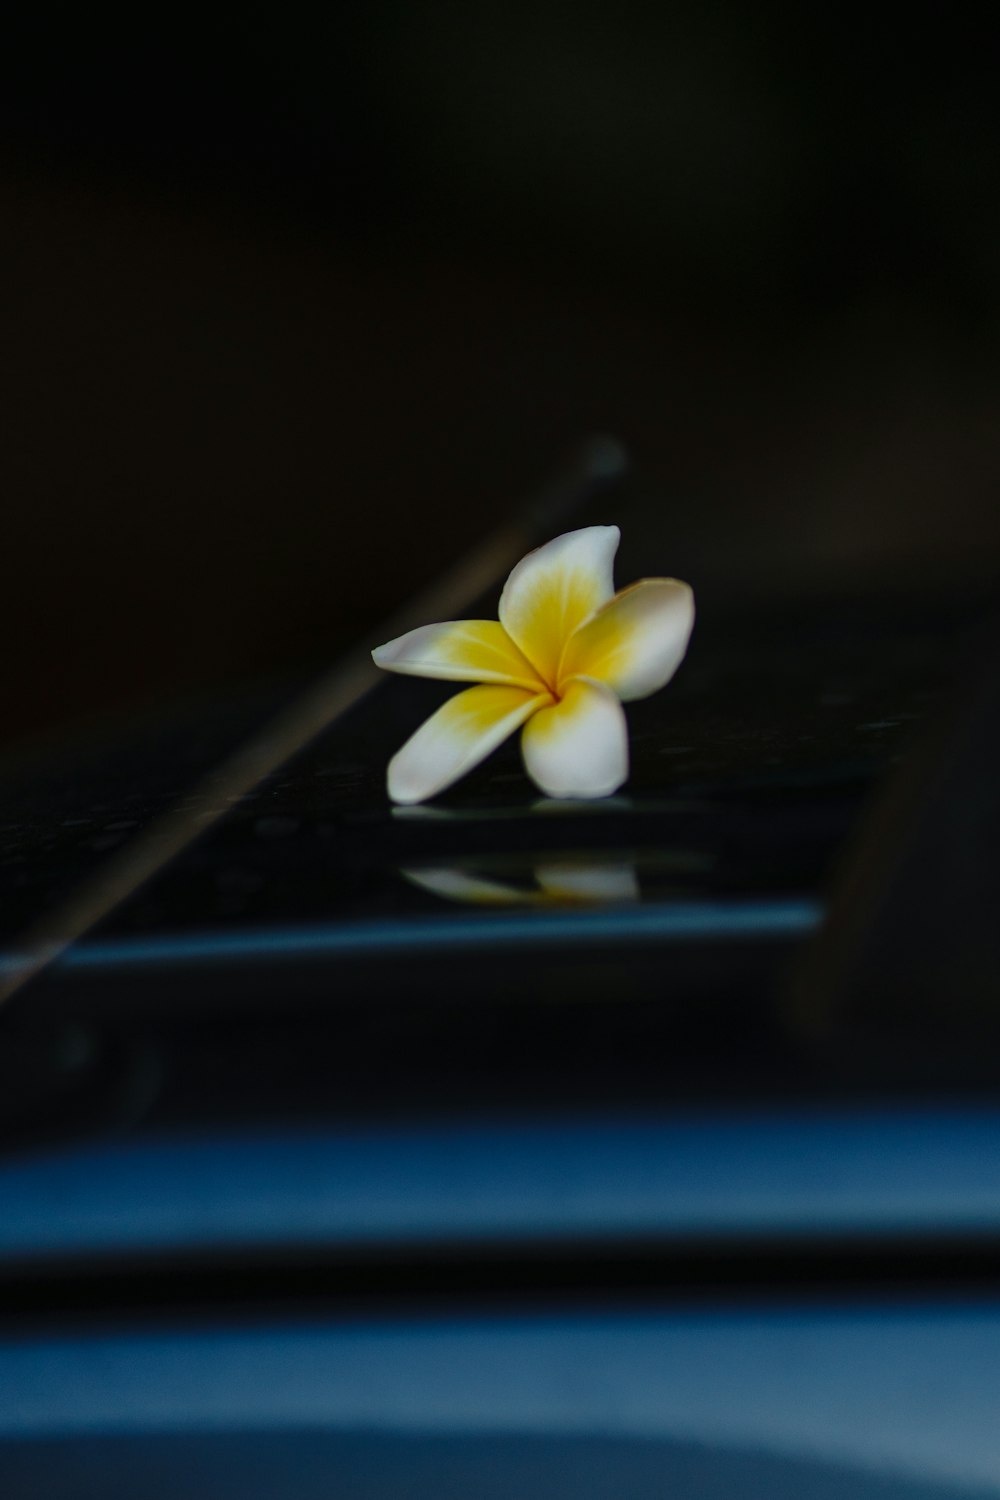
581	881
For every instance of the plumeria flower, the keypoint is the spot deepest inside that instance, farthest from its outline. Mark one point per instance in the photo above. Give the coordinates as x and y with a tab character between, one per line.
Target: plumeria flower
565	654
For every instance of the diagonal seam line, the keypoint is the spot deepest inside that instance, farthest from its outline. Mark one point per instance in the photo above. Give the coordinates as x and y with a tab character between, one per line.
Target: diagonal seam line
599	462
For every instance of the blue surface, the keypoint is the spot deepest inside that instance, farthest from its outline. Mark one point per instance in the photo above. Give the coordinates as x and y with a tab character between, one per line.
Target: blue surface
686	921
910	1392
311	1464
788	1173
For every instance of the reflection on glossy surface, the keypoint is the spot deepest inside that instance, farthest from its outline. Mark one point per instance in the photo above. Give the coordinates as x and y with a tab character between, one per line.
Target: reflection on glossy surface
563	879
589	878
559	882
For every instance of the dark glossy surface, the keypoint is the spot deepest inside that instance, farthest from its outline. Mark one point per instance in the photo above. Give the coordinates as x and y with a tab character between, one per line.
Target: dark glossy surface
494	1128
320	952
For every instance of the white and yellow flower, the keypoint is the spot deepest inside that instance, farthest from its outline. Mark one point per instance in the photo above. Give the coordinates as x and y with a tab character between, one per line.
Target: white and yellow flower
565	654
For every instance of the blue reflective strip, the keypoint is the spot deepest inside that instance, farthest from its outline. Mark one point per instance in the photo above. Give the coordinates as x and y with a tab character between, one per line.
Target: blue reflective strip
684	1176
859	1401
687	921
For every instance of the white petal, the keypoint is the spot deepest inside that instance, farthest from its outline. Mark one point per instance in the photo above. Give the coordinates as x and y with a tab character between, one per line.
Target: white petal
459	885
554	589
457	737
637	641
579	746
458	651
589	880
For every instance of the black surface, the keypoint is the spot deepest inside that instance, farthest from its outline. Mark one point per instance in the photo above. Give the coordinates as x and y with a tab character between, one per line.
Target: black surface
750	772
212	1291
747	772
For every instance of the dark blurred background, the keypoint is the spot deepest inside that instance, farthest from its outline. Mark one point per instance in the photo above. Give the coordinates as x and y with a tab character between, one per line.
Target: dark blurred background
298	303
